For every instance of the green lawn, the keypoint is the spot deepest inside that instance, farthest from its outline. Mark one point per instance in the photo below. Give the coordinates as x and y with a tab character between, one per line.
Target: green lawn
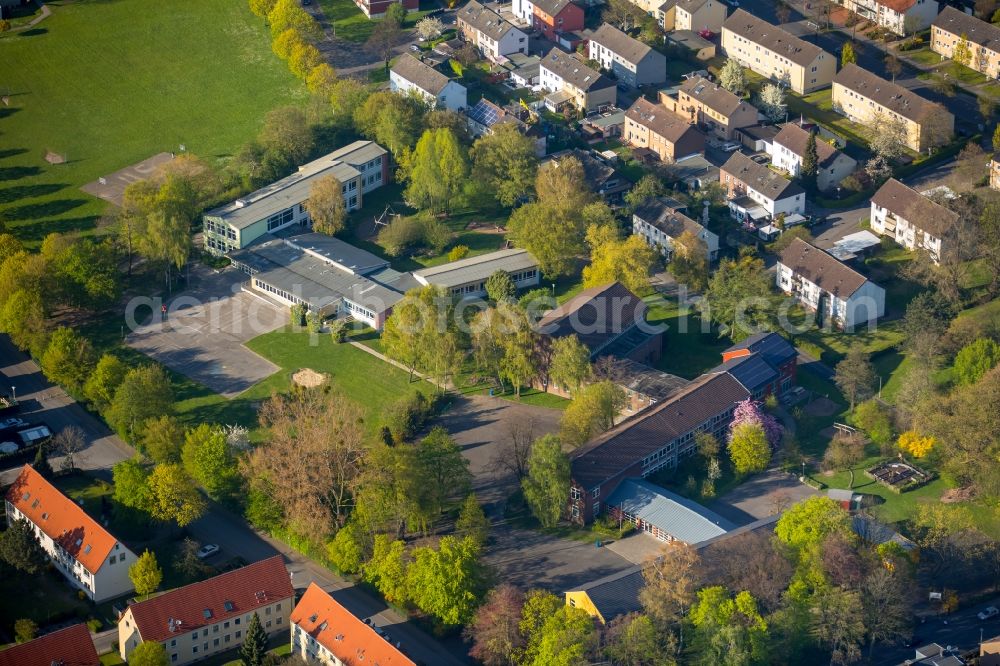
964	74
923	56
350	23
44	598
111	83
818	106
688	350
111	659
809	429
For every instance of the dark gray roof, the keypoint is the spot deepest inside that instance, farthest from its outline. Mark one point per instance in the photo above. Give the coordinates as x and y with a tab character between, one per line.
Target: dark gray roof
976	31
892	96
779	41
752	371
571	69
759	132
794	137
761	178
597	316
661	214
330	248
595	170
485	20
628	48
551	7
480	267
678	516
647	381
617	594
775	349
915	208
821	269
420	74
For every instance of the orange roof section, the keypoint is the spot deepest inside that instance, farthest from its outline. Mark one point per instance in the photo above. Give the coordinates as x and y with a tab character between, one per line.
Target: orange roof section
342	633
61	519
71	646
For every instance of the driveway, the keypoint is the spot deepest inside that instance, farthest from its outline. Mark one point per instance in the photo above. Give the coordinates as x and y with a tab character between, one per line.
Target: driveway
204	329
763	495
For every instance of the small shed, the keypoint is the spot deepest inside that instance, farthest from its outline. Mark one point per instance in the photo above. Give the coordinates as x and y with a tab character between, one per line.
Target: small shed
847	499
698	46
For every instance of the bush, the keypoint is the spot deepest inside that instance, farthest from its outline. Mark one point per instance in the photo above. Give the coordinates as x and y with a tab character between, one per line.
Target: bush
407	416
94	625
338	330
297	315
406	234
458	252
25	630
314	322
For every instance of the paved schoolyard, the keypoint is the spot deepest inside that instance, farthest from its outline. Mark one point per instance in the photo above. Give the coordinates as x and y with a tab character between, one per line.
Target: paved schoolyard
203	334
112	187
762	496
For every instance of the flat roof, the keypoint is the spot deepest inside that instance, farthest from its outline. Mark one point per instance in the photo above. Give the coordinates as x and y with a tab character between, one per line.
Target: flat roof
330	248
476	268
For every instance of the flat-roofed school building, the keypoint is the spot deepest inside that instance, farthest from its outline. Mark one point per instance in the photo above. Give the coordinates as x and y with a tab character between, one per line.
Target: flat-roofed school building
467	277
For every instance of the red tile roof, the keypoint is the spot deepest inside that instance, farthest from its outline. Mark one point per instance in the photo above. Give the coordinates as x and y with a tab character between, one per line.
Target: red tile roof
342	633
61	519
71	646
241	590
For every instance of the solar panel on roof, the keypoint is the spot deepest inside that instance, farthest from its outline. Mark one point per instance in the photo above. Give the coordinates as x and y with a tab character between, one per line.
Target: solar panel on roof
484	113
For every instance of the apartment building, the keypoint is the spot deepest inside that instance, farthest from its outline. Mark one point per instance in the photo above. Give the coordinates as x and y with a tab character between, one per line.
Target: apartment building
831	288
900	17
493	35
788	149
410	75
376	8
572	82
710	106
757	193
633	63
360	167
654	127
952	26
85	553
70	646
660	224
865	98
210	617
777	54
693	15
550	17
912	220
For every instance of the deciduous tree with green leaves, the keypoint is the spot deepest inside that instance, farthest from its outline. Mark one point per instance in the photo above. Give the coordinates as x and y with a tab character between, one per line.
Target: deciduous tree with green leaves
20	549
208	459
437	171
629	261
505	161
749	449
569	366
728	629
386	569
472	521
738	296
546	487
733	78
809	522
689	261
500	287
447	582
145	574
162	438
144	393
976	359
326	206
592	411
173	497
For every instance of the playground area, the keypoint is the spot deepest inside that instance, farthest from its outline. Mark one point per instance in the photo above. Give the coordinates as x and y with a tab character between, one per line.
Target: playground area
112	187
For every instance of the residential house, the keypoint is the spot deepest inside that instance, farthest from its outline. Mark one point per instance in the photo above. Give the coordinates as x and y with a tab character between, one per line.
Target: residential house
788	150
775	350
983	40
935	655
376	8
599	173
693	15
210	617
912	219
756	192
900	17
467	277
655	438
697	46
777	54
633	63
866	98
663	514
654	127
711	106
572	82
410	74
827	286
325	632
360	167
493	35
84	552
70	646
995	171
552	18
989	652
660	225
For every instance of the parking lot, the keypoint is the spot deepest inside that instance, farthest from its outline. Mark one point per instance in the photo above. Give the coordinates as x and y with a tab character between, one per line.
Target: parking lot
202	333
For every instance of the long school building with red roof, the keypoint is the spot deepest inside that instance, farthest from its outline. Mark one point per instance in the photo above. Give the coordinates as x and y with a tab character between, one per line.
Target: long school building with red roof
79	547
211	616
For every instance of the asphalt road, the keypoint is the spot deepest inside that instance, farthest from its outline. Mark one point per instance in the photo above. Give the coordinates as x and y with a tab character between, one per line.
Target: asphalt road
50	404
961	631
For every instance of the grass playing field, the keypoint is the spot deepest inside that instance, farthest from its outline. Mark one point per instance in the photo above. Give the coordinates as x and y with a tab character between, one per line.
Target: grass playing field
108	84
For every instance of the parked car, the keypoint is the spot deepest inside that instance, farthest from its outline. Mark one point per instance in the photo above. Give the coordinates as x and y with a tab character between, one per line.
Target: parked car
12	423
207	551
706	34
990	612
414	48
730	146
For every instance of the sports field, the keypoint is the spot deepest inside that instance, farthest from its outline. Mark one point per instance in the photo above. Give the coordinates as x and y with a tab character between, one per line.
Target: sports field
108	84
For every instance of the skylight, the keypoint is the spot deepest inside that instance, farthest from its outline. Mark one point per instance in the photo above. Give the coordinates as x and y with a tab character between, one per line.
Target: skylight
207	613
228	606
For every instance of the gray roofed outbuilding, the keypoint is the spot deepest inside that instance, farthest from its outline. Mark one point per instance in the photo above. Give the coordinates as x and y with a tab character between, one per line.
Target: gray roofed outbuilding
481	267
679	517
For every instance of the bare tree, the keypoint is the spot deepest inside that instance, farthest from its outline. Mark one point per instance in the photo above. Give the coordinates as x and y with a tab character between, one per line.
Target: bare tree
69	443
749	562
511	457
385	36
887	601
672	578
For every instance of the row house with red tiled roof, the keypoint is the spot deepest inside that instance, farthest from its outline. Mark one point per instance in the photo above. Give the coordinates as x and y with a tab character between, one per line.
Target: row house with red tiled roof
89	556
209	617
70	646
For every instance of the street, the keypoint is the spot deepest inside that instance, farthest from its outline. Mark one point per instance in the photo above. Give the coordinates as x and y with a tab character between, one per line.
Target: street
961	629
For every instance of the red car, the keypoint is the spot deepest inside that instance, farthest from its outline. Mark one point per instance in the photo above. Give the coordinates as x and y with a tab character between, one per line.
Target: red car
706	34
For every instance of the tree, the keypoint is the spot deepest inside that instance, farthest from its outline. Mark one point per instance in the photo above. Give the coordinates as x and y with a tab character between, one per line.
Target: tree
41	462
845	451
809	522
69	442
131	482
412	336
518	364
505	161
286	14
847	56
671	578
188	563
442	472
565	638
622	14
569	366
886	601
500	287
962	53
855	375
326	206
728	629
976	359
68	359
321	80
149	653
591	412
748	449
145	574
437	171
25	630
162	438
632	640
447	582
772	100
208	459
429	27
689	261
628	261
733	78
915	444
20	549
254	648
749	412
395	12
173	496
494	632
810	164
511	457
303	59
783	12
384	37
892	66
837	624
144	393
749	562
546	487
472	521
888	138
386	569
874	420
737	296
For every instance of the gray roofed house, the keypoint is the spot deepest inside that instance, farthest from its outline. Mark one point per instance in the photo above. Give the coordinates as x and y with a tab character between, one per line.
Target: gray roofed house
660	224
977	31
467	277
551	7
632	62
409	74
333	250
574	71
692	41
752	186
892	96
821	269
423	76
759	177
788	151
491	33
897	208
664	514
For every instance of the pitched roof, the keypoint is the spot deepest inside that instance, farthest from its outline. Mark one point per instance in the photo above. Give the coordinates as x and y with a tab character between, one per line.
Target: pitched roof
775	349
221	597
713	96
821	269
612	453
61	519
551	7
795	138
596	171
662	215
485	20
659	120
71	646
613	39
420	74
761	178
899	6
645	380
573	71
752	371
915	208
892	96
615	595
596	316
771	37
342	633
678	516
975	30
